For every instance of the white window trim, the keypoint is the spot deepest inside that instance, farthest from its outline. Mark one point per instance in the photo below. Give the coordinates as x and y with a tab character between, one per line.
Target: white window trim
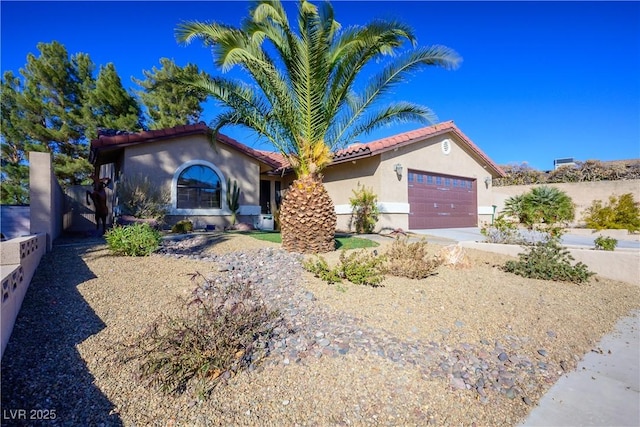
173	210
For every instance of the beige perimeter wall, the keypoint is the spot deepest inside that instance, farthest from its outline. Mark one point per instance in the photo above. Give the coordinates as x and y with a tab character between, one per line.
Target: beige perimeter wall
582	193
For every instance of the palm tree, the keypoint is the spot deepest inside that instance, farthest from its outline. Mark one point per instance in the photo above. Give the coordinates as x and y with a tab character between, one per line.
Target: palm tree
302	98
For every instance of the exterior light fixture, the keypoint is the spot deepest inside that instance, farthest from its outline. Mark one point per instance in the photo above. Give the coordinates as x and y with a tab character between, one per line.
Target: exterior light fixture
398	168
487	181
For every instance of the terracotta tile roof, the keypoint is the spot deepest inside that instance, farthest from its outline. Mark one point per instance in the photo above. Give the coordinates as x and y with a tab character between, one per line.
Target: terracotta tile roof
407	138
277	160
108	140
276	157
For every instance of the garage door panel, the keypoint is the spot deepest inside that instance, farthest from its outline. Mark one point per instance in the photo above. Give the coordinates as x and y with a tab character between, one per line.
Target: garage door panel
441	201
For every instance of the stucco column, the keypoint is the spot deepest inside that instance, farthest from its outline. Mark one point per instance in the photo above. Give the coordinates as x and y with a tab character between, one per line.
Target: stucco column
43	216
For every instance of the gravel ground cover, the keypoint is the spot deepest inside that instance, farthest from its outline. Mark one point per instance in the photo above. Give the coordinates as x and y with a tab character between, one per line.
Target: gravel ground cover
473	346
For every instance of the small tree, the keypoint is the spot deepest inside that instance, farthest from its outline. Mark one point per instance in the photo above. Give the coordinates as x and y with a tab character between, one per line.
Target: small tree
233	199
364	210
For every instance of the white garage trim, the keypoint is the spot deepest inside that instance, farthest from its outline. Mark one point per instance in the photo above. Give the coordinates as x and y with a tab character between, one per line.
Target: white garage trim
383	207
485	210
394	208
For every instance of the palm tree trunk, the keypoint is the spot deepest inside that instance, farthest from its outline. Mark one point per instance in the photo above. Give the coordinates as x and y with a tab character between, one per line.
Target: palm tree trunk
307	217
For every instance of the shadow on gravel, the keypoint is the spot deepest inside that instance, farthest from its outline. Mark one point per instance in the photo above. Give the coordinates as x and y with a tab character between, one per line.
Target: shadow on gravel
44	379
197	242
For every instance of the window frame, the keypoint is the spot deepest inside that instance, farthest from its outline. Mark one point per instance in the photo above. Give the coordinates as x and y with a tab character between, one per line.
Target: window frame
222	210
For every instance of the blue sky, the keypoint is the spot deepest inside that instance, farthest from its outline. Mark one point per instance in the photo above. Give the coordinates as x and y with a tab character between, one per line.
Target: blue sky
538	81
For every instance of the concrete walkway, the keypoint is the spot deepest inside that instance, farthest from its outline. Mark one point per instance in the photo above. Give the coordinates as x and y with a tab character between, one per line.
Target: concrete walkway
604	390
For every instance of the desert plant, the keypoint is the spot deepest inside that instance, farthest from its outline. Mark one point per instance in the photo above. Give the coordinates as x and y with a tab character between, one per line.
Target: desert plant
224	329
320	268
548	260
233	199
543	207
182	226
364	210
503	230
138	197
138	239
410	260
618	213
604	243
361	267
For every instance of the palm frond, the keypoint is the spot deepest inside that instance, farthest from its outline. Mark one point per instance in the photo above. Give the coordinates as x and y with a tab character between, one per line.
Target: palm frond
393	74
302	95
399	112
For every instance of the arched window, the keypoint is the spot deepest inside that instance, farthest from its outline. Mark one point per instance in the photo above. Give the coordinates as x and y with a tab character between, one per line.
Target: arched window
198	187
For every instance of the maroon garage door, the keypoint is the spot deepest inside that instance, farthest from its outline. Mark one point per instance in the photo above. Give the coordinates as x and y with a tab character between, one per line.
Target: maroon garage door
441	201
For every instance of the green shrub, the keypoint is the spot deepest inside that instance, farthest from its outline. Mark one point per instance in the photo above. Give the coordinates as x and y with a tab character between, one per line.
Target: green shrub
364	210
410	260
140	198
133	240
361	267
619	213
605	243
320	268
182	226
223	330
542	206
548	261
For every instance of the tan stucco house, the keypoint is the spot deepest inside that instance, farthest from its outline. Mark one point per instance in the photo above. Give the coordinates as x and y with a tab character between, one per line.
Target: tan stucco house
433	177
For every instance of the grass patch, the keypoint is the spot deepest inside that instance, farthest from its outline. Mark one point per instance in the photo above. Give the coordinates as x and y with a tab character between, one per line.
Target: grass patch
342	242
267	236
350	242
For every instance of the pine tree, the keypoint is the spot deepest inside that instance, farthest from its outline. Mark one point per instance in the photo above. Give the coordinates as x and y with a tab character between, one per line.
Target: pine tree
51	101
14	171
167	103
113	106
56	106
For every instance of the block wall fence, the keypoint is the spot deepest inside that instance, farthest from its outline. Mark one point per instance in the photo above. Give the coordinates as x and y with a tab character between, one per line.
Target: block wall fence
19	257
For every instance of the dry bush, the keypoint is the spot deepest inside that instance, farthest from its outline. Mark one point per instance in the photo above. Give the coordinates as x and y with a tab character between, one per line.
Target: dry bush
225	328
410	260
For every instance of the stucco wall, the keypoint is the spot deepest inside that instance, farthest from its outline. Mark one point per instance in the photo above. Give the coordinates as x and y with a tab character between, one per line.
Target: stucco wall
379	173
582	193
160	160
46	198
